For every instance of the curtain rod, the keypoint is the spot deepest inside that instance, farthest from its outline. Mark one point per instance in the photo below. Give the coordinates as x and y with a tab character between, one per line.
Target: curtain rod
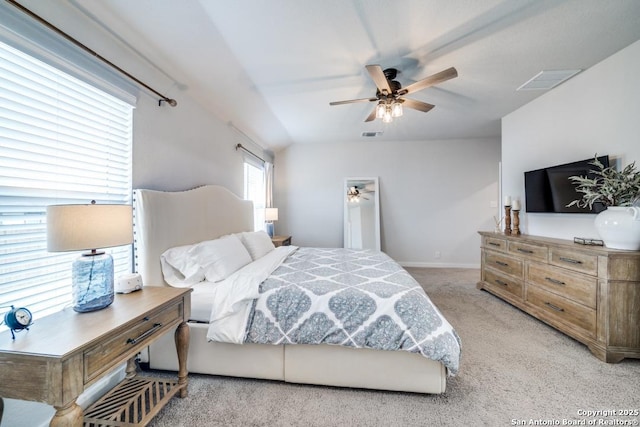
171	102
241	147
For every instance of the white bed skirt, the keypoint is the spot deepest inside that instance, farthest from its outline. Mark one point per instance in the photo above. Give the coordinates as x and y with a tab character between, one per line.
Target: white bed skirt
306	364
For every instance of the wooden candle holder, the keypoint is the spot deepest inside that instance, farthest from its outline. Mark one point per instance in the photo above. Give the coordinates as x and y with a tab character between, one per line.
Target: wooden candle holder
507	220
516	222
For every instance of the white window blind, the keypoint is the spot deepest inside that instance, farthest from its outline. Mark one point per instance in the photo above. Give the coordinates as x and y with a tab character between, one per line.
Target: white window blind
254	191
62	141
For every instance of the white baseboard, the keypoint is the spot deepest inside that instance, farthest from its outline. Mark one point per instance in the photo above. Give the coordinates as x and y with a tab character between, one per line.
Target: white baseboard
436	265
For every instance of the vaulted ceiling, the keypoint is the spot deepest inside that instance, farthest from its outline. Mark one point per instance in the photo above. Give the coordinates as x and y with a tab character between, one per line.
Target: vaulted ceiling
272	67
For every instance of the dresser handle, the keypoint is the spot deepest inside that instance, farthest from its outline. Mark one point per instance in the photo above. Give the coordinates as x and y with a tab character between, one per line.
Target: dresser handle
500	282
495	244
504	264
144	335
555	281
569	260
553	307
526	251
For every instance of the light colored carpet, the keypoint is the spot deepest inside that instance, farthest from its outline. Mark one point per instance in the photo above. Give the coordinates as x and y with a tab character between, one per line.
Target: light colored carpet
514	368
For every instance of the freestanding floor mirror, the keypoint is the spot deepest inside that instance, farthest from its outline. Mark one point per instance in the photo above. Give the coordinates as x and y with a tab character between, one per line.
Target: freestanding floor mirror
361	213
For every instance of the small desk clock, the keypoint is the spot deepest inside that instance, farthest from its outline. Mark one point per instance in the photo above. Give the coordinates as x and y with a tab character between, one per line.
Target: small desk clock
18	319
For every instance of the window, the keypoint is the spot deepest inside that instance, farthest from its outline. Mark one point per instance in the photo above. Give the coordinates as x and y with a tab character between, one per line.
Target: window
62	141
254	191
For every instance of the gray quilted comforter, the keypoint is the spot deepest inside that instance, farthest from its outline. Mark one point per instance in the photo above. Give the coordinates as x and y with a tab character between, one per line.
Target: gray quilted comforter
354	298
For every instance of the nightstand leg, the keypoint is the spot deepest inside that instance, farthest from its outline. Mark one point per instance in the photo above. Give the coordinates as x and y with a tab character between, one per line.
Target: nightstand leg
68	416
132	368
182	347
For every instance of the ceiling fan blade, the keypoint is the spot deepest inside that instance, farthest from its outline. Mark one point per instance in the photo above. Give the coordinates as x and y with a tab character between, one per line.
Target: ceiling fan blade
351	101
434	79
371	116
417	105
376	73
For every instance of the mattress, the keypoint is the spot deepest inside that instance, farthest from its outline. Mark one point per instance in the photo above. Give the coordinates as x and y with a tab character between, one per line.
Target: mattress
201	302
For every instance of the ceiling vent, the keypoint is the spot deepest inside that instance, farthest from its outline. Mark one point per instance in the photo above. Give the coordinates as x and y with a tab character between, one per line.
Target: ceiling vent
546	80
371	134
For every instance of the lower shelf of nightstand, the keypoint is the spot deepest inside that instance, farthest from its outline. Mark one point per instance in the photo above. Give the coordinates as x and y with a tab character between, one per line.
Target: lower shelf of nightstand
133	402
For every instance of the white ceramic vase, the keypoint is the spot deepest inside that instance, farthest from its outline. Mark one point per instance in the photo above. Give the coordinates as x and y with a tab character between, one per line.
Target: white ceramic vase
619	227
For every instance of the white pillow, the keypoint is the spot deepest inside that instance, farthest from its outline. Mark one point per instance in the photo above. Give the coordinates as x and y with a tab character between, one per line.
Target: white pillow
258	243
221	257
179	269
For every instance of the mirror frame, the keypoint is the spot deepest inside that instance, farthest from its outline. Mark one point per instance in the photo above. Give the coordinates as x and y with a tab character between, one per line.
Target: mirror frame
345	189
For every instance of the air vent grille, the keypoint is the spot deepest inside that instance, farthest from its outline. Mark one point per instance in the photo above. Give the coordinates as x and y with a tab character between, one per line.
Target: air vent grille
371	134
546	80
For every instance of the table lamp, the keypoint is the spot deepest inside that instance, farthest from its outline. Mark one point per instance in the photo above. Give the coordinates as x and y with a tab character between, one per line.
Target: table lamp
270	215
90	227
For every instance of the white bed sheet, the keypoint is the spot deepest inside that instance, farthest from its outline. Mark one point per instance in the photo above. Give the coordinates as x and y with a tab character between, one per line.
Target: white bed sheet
202	297
201	302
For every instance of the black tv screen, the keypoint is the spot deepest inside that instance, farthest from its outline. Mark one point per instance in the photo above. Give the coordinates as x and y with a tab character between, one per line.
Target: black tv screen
550	190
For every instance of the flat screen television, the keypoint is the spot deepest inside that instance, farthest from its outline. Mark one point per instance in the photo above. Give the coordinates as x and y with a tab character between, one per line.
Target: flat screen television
550	190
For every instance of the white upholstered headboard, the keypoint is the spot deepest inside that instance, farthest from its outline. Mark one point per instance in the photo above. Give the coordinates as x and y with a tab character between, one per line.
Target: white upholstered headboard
167	219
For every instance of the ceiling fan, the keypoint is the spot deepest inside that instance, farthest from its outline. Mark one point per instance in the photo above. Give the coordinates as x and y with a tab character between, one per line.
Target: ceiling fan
390	93
354	194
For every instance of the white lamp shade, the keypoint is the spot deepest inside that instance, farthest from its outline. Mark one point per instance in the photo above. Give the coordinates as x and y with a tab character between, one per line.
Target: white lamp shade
271	214
82	227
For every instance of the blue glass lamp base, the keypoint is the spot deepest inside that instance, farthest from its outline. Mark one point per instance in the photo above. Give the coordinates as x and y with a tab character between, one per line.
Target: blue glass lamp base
269	226
92	282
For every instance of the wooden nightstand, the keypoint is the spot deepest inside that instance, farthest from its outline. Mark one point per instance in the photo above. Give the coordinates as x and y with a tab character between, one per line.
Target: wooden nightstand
64	353
281	241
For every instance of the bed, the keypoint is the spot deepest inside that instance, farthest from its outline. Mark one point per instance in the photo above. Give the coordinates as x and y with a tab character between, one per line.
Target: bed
165	220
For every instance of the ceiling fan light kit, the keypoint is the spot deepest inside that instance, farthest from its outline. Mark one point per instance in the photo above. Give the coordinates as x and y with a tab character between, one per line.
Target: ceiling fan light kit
387	111
390	93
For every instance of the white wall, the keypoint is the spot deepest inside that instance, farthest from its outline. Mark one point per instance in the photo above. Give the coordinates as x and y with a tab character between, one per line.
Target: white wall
183	147
434	195
598	111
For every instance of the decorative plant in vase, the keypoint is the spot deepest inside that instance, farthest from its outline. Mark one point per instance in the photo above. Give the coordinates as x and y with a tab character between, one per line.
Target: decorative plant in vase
619	224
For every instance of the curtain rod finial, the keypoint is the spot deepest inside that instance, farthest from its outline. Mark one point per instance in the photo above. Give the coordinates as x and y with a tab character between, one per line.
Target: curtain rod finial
171	102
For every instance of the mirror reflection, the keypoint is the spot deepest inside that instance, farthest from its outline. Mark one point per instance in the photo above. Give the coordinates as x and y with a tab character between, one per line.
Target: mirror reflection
361	213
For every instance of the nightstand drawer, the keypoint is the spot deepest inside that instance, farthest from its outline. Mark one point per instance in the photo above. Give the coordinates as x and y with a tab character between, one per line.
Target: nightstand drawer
100	358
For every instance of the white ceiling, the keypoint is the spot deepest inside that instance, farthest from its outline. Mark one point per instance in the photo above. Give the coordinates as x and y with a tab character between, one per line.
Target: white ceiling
272	67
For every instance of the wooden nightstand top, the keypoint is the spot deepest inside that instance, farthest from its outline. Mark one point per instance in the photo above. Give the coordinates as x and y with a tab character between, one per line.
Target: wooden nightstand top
65	332
281	240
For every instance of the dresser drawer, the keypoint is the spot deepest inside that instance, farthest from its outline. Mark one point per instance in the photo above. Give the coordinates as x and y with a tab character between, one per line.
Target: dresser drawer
495	243
503	283
529	250
105	355
574	260
580	288
563	309
504	263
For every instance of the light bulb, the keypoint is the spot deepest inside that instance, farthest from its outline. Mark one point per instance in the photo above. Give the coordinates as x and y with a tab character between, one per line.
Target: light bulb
380	109
396	109
387	118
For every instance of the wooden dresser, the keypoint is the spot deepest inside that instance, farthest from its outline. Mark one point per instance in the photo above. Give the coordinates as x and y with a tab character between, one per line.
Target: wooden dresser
590	293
